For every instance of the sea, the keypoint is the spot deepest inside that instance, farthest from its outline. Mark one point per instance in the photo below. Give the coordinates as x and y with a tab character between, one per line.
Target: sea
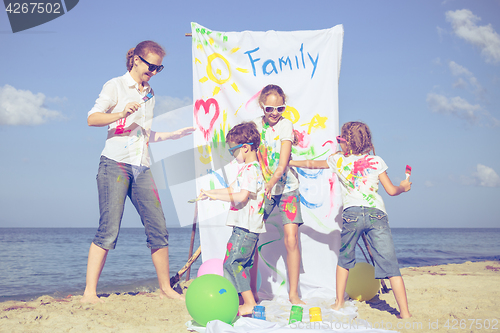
53	261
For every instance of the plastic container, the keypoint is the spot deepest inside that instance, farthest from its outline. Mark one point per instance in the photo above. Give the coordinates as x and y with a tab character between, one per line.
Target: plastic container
259	312
295	314
315	314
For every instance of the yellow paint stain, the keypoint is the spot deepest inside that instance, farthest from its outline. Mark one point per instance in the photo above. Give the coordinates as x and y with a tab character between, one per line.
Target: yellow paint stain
238	109
197	61
216	91
339	163
291	114
243	70
211	41
349	176
316	121
234	50
204	79
199	46
277	138
218	71
235	87
205	159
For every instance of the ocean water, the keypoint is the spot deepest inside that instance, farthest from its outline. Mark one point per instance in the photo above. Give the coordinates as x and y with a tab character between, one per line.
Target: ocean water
53	261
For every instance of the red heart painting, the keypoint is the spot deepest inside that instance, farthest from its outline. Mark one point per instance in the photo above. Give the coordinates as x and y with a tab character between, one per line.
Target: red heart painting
206	130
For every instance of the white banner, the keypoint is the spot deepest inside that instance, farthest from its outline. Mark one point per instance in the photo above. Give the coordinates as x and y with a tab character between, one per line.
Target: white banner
229	70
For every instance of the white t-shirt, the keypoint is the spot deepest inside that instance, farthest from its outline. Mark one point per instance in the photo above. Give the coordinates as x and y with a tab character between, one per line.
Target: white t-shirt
249	216
359	177
128	138
269	153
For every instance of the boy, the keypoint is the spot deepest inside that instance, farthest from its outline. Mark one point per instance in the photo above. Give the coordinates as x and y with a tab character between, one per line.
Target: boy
246	195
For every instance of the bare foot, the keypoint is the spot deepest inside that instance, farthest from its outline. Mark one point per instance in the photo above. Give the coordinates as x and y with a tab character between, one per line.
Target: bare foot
404	316
171	294
92	299
246	309
337	305
295	299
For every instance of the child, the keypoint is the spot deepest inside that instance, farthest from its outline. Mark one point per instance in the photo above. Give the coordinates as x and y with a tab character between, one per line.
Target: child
246	195
282	185
364	210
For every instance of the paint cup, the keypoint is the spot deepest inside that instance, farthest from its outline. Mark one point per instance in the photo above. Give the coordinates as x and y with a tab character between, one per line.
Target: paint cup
259	312
315	314
295	314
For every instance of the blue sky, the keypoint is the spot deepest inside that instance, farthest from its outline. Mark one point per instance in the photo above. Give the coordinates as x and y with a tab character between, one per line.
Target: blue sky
424	75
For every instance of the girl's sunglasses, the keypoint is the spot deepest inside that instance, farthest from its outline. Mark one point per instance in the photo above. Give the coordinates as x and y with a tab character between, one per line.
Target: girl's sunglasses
152	67
341	139
270	109
231	150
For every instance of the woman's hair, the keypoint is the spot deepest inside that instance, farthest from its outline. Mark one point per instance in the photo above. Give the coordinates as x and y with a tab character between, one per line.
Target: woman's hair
270	89
358	136
142	49
245	133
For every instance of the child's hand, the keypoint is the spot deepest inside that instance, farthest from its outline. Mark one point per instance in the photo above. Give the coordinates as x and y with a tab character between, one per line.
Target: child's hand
406	184
267	190
206	195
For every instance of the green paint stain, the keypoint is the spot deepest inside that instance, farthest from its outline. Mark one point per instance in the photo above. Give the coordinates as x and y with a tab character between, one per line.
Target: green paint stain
243	250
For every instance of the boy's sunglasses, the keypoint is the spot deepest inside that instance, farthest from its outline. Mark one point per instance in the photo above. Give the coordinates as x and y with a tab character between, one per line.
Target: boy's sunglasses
152	67
231	150
341	139
270	109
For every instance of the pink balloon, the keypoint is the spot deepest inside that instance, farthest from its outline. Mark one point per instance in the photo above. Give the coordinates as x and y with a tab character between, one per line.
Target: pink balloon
211	266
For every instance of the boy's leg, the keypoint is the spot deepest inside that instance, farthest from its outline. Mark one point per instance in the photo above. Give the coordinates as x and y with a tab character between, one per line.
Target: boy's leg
341	278
399	290
248	303
95	264
254	272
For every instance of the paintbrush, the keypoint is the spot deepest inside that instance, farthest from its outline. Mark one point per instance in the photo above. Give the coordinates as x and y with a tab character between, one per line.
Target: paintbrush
199	198
408	171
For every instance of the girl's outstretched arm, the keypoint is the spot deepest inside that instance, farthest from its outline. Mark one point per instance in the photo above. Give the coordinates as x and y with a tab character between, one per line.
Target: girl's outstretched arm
404	186
309	164
162	136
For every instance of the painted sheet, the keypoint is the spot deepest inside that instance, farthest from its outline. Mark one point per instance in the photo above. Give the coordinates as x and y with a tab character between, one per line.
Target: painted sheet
229	70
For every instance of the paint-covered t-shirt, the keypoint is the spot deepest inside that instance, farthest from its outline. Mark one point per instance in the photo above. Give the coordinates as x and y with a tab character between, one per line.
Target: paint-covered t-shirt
269	153
250	215
359	177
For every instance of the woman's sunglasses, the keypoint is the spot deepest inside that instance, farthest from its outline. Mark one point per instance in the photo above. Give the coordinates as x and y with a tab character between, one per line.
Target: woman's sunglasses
341	139
152	67
270	109
231	150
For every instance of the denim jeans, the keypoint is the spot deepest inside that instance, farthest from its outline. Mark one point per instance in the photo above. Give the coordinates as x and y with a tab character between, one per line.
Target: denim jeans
239	258
375	224
116	181
288	204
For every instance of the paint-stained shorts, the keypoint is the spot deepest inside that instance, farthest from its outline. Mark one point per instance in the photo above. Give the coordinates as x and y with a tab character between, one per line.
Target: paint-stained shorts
289	206
116	181
239	258
375	224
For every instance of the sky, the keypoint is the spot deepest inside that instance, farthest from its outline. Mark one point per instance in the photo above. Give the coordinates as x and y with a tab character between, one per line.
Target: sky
424	75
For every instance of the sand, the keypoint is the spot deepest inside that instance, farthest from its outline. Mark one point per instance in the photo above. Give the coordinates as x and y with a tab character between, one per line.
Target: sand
447	298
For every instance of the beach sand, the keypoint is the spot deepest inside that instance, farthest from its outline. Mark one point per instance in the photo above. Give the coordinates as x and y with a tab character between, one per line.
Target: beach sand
447	298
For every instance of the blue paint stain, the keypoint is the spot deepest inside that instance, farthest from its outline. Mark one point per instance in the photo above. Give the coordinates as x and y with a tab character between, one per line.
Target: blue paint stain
308	204
309	175
219	178
222	291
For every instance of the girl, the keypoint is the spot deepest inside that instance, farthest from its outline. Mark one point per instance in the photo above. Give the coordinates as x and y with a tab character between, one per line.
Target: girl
282	185
364	210
126	105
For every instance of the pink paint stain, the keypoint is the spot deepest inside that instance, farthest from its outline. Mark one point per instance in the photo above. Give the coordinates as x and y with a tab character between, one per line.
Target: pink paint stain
206	106
304	138
244	275
253	98
120	128
332	180
362	164
229	247
290	208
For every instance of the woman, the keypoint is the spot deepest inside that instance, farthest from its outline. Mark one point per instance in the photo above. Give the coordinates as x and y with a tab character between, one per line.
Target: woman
126	106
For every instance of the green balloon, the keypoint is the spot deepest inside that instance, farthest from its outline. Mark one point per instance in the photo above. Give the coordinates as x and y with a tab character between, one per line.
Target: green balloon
210	297
361	283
